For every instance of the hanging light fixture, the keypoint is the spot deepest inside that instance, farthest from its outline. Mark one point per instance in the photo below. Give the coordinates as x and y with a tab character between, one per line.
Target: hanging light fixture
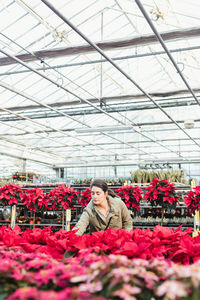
102	129
188	124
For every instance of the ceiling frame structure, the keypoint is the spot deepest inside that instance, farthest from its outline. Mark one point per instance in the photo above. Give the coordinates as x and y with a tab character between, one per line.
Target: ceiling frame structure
99	109
124	73
87	94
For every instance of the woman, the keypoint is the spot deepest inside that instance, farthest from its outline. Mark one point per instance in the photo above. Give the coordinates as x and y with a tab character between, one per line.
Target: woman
105	210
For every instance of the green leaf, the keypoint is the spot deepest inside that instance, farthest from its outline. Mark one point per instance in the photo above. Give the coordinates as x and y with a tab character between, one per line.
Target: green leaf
3	296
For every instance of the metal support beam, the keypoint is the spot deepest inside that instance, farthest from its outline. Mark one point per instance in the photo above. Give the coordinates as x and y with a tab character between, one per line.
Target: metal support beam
140	40
83	110
163	95
129	163
24	164
82	63
160	39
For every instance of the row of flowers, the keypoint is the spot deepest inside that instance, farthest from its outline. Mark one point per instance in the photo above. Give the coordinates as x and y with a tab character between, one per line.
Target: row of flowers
91	276
60	197
166	264
161	242
159	192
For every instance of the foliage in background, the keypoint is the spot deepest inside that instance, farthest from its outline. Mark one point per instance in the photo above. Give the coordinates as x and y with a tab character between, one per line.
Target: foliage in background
109	180
117	180
83	181
144	176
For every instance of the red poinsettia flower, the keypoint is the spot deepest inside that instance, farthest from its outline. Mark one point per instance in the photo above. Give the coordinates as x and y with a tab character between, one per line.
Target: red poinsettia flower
161	192
35	199
10	194
62	197
192	200
85	197
131	195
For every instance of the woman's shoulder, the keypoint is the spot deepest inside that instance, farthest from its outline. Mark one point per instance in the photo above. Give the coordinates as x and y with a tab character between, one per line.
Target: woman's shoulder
115	200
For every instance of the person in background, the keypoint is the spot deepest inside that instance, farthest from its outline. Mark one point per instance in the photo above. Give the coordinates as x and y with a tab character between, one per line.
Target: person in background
105	210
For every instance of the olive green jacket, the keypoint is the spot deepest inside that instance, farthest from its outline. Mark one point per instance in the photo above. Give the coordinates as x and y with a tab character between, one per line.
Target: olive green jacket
118	217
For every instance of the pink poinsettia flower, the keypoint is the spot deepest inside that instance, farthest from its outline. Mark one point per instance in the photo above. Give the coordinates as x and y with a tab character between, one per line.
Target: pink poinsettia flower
173	289
127	292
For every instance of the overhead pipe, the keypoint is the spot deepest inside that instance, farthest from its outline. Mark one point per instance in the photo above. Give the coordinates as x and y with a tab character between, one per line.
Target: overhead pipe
105	45
101	60
63	105
149	46
83	110
115	65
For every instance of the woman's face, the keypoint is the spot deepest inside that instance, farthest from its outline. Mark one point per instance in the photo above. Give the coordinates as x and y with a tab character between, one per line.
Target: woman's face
98	195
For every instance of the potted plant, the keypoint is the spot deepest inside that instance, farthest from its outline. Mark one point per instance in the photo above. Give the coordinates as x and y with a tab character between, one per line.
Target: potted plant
192	200
62	198
35	200
10	195
162	193
131	195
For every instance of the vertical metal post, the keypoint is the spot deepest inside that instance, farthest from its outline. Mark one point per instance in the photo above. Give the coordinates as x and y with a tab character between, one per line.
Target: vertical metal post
13	216
63	219
115	167
67	219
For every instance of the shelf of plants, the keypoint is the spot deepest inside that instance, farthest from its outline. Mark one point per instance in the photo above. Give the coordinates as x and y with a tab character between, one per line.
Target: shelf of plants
145	214
35	209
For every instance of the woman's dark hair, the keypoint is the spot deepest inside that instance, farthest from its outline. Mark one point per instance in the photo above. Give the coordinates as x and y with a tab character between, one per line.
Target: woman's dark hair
103	185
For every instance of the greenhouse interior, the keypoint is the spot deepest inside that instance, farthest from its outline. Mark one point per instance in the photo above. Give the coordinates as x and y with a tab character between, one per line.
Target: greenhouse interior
100	149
